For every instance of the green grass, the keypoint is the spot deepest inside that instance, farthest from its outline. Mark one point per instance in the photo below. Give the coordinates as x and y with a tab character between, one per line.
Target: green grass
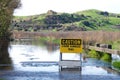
114	20
20	17
96	19
40	17
91	12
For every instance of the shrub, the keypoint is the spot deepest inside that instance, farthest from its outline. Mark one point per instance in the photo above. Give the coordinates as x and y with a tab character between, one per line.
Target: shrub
116	64
94	54
106	57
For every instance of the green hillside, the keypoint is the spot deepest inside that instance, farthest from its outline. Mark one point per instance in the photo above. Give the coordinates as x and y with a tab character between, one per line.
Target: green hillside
79	21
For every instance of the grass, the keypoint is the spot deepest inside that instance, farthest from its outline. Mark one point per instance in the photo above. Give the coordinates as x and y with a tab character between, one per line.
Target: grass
115	44
40	17
114	20
91	12
107	23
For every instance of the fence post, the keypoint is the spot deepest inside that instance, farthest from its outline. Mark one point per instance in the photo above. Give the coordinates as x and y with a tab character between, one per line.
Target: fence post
60	59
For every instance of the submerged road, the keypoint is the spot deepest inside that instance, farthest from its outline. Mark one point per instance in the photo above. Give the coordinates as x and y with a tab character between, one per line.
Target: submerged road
65	75
50	71
29	67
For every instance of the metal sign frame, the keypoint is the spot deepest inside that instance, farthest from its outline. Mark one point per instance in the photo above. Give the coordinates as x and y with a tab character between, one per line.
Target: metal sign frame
65	44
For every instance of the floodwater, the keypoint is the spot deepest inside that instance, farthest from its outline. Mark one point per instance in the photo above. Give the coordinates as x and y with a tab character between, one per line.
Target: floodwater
45	58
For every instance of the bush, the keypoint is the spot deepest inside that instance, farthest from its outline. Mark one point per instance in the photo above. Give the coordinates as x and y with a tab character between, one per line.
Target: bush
116	64
94	54
106	57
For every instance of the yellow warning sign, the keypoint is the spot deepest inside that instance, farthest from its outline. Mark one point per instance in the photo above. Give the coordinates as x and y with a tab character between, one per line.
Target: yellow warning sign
71	45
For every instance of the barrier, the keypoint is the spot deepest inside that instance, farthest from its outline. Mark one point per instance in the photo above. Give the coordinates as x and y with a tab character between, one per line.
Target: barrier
70	46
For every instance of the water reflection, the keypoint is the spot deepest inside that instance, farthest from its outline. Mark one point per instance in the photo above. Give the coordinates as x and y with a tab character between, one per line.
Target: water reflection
51	47
30	56
5	60
5	63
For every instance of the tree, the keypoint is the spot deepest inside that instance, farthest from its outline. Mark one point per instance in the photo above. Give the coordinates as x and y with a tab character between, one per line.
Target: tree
104	13
86	23
7	8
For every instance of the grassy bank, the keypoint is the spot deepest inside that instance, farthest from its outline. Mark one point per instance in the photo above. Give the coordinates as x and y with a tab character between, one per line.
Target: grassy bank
100	56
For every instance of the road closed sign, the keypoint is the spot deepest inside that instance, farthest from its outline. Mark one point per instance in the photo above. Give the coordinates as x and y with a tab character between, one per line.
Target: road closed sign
71	45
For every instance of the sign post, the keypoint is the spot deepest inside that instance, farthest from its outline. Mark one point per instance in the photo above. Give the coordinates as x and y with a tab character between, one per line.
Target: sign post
70	46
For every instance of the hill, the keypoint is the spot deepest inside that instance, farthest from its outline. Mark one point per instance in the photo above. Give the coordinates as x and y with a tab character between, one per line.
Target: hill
79	21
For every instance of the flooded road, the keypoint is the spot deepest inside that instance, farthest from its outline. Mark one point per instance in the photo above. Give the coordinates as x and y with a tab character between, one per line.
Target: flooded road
36	58
41	58
39	61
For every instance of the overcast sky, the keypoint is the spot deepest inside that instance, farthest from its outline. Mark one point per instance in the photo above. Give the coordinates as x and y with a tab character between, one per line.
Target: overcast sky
32	7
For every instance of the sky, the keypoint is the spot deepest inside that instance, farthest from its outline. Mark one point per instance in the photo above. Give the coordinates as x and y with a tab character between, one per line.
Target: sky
33	7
